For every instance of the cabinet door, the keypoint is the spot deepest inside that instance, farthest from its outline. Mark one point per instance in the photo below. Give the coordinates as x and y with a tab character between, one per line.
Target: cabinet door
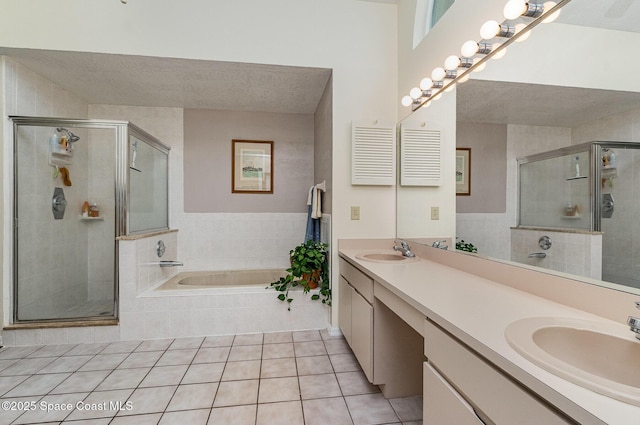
344	309
362	332
442	404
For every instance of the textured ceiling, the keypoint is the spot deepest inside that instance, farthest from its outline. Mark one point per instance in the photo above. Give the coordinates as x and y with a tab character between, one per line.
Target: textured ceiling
152	81
498	102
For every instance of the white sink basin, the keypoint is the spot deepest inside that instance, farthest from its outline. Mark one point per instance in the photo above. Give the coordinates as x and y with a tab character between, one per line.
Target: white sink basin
386	256
602	357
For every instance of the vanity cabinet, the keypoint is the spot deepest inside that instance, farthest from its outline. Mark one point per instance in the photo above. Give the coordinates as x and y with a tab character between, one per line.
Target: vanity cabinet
356	314
496	398
442	404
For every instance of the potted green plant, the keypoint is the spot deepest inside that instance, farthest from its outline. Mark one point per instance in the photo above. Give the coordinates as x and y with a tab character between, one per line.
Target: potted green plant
309	269
461	245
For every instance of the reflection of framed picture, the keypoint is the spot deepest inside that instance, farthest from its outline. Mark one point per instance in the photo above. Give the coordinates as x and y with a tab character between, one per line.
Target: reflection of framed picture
463	171
251	166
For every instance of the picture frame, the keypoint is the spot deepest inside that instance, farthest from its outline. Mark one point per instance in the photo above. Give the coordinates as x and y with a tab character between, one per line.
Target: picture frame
251	166
463	171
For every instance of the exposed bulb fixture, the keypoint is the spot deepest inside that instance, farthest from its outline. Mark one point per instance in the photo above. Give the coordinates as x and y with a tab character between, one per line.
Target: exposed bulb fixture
514	9
426	83
548	6
491	29
438	74
469	48
451	63
474	54
415	93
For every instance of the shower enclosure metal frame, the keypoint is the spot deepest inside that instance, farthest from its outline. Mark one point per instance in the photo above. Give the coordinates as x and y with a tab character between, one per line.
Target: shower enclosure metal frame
595	174
122	130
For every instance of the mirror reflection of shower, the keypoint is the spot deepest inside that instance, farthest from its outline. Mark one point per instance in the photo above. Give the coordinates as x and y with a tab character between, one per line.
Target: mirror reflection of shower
71	137
134	154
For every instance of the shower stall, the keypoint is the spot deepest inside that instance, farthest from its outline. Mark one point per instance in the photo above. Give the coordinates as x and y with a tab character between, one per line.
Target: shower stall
590	189
78	186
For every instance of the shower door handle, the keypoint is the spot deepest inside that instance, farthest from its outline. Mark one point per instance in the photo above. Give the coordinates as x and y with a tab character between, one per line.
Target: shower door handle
607	205
58	203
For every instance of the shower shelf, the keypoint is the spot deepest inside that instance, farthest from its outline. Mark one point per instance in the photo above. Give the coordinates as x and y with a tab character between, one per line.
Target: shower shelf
91	218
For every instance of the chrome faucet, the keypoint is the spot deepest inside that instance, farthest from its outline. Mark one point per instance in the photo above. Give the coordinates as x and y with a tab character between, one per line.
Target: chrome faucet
438	244
634	322
404	249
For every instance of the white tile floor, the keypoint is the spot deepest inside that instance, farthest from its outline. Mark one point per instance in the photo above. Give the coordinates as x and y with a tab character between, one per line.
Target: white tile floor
285	378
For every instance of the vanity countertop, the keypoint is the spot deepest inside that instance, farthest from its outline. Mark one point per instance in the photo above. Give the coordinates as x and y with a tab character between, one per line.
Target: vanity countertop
476	311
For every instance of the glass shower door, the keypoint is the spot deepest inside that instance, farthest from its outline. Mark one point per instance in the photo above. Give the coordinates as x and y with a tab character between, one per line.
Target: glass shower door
619	211
64	260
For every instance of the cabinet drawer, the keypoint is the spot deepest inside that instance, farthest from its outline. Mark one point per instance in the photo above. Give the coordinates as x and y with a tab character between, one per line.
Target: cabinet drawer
493	394
360	281
442	403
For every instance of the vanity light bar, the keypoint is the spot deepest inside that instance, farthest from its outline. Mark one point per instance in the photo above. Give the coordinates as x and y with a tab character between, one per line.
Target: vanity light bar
457	68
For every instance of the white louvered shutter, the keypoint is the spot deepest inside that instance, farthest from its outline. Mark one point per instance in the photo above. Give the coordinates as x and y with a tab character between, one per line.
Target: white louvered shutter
373	154
420	163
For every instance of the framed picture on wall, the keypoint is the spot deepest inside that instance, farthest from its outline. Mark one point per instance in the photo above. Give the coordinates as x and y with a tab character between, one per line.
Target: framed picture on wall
251	166
463	171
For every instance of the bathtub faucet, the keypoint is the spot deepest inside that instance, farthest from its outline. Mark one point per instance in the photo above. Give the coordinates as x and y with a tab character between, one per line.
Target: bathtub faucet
170	263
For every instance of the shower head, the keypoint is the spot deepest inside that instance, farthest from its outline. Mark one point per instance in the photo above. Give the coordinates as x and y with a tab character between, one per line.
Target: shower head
70	136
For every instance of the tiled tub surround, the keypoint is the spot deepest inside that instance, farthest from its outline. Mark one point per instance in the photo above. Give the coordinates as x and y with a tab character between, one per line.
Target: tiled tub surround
146	313
474	299
296	378
575	252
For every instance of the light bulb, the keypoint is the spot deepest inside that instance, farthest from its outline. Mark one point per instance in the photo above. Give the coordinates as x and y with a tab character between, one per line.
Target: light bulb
438	74
406	101
451	63
548	6
437	97
524	36
489	30
514	8
415	93
500	54
426	83
469	49
480	67
464	79
450	87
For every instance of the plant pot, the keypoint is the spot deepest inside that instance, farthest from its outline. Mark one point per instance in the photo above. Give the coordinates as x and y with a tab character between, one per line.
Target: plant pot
312	278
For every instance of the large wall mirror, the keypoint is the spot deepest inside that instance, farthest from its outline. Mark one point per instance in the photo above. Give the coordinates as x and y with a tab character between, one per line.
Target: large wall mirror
573	81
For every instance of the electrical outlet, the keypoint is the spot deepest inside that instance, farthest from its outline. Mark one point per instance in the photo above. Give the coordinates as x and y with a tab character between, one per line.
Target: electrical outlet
355	213
435	213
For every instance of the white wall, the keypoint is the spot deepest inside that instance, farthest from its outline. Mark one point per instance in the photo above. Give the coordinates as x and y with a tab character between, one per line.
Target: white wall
208	155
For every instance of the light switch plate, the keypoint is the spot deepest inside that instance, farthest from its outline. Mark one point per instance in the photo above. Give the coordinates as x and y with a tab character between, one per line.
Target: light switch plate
435	213
355	213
